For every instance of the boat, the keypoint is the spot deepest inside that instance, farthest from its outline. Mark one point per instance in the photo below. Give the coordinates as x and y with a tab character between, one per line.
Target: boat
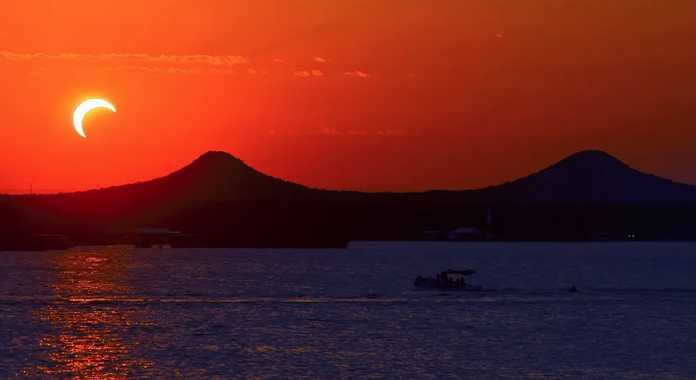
447	280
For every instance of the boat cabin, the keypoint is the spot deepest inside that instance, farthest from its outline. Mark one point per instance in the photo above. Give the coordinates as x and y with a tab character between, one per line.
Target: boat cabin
449	279
456	275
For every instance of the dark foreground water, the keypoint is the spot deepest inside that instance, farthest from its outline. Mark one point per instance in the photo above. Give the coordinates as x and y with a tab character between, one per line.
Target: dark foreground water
101	313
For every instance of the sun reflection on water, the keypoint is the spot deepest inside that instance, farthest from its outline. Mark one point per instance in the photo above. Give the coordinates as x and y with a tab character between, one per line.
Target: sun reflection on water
91	334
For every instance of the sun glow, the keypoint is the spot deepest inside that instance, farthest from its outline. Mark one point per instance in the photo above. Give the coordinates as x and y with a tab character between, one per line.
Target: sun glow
84	108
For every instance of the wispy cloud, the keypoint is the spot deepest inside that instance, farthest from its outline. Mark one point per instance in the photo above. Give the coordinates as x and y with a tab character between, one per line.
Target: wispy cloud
154	69
358	74
171	63
176	63
185	59
309	73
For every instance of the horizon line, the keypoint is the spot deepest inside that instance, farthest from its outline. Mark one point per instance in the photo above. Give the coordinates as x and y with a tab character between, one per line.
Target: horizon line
39	191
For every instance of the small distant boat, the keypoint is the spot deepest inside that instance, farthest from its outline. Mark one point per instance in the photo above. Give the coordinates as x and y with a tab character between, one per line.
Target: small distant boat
447	280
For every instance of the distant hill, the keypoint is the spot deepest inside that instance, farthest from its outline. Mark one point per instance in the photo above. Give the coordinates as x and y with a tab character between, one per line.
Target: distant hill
213	177
224	202
590	176
220	176
593	177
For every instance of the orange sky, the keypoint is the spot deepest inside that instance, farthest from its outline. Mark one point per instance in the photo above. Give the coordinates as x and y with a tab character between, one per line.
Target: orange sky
370	95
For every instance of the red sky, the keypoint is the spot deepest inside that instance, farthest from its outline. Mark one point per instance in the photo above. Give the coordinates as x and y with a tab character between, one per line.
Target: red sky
370	95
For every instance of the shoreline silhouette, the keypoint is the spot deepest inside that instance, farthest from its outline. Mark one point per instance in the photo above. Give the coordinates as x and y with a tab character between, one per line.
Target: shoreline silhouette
219	201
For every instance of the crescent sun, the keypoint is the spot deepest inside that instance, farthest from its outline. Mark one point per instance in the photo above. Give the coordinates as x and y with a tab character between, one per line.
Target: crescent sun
84	108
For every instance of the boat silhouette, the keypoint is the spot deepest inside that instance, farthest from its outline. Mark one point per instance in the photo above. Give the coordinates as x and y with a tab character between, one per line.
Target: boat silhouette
447	280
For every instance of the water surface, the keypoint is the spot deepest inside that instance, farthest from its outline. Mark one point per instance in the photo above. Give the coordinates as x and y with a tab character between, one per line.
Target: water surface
118	312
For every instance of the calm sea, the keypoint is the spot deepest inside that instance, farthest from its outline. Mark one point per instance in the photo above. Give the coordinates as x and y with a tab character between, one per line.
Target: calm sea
119	312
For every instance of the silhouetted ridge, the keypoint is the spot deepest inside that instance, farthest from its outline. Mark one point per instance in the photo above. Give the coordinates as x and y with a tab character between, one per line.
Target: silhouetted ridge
219	176
219	159
593	158
593	176
212	178
222	165
590	176
219	201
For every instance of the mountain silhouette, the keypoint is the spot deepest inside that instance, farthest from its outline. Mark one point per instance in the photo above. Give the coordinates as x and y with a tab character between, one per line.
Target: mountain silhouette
217	177
590	176
593	177
213	178
223	202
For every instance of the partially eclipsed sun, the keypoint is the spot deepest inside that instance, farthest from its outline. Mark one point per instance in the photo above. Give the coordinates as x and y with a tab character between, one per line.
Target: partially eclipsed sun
83	109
